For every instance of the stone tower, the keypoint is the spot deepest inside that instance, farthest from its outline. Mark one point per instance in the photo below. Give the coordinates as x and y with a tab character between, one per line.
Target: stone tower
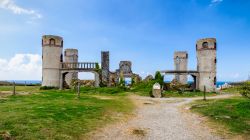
181	64
105	68
206	59
52	57
71	56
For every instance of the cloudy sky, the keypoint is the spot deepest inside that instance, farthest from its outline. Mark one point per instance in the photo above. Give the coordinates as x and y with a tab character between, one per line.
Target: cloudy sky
147	32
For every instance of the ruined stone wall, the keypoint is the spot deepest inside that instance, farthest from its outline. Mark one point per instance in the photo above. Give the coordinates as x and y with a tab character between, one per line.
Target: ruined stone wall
71	55
113	79
52	57
181	64
105	68
125	67
206	59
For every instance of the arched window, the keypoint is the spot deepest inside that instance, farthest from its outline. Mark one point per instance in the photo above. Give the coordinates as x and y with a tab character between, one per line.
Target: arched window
215	45
205	45
62	43
61	58
52	41
215	80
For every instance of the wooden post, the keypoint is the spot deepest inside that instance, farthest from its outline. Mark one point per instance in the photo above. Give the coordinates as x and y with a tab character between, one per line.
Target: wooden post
14	88
78	89
204	93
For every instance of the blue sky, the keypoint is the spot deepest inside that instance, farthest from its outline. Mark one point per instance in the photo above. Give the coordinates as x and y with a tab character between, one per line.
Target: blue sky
146	32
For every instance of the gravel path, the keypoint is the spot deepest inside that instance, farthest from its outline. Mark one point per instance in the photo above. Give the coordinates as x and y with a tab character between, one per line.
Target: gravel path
159	119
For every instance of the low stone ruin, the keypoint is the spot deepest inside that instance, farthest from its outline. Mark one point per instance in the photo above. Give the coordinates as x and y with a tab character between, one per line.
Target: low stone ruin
148	78
156	91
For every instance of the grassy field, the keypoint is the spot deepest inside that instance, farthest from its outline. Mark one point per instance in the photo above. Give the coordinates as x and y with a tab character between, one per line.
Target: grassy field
20	88
233	113
187	94
233	90
59	114
144	89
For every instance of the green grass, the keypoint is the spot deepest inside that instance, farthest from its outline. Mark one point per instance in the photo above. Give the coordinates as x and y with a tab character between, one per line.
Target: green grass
143	88
59	114
233	90
234	113
20	88
187	94
103	90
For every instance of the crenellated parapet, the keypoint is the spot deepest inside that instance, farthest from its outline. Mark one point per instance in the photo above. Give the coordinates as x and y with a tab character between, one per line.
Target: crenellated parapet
52	41
206	44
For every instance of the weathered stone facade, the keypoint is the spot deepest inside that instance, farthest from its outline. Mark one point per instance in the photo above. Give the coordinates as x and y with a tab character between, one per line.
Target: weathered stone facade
57	72
156	91
125	71
206	59
205	75
181	63
137	78
71	56
52	47
125	67
105	68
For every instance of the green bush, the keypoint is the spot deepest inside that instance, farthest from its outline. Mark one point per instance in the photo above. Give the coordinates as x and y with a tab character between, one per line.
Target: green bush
47	88
245	90
107	90
159	78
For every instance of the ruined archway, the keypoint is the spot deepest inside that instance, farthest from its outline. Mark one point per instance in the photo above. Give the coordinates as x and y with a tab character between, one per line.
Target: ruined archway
68	68
193	74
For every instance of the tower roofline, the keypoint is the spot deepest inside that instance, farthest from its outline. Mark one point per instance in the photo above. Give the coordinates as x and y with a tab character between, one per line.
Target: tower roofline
53	36
206	40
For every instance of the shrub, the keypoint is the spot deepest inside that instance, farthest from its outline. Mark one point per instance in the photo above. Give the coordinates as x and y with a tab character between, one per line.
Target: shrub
159	78
245	90
47	88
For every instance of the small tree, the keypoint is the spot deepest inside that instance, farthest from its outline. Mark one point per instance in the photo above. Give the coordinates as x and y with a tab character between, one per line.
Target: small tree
133	80
97	68
122	81
159	78
245	90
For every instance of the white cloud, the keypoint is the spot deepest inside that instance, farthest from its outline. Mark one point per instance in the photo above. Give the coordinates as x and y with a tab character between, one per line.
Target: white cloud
21	67
214	2
10	5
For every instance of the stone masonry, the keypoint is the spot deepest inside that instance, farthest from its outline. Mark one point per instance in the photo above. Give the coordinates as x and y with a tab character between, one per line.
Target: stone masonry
52	47
205	75
57	71
206	59
105	68
125	67
71	56
181	63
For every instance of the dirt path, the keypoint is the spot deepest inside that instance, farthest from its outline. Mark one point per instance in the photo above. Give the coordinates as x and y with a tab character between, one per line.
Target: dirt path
160	119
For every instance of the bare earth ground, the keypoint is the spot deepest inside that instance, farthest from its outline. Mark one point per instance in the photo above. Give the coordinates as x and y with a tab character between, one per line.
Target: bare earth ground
159	119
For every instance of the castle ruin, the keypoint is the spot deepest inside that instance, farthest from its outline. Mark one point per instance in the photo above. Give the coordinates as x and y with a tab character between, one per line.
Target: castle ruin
59	70
71	56
52	57
205	75
206	63
181	64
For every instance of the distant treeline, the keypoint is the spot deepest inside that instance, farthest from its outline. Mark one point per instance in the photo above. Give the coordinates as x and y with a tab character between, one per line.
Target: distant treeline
6	83
238	83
